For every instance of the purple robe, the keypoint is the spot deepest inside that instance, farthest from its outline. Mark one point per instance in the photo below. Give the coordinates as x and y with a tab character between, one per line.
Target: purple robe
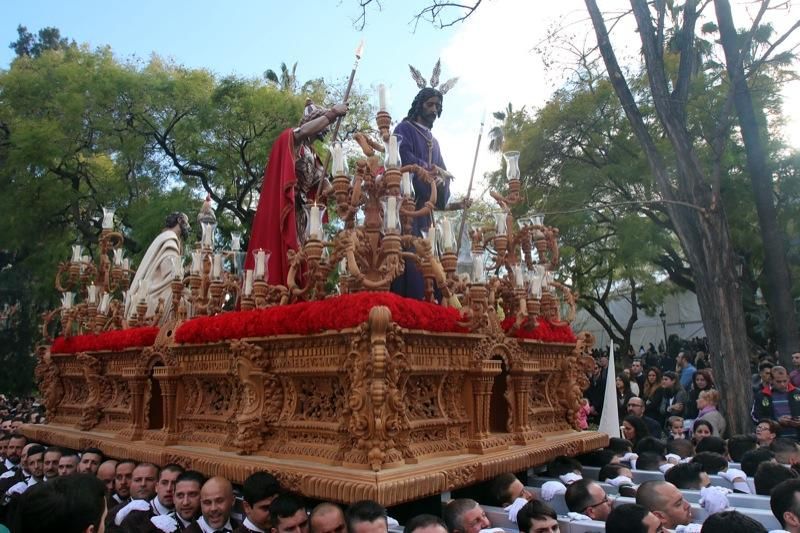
414	151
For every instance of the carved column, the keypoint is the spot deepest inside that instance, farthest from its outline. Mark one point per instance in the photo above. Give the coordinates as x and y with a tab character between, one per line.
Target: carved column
138	385
480	380
168	378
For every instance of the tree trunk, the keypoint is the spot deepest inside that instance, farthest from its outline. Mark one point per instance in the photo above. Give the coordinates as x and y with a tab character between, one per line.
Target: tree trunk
776	269
694	208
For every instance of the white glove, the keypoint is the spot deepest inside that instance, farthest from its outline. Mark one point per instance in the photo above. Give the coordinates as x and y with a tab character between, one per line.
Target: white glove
673	458
392	522
493	530
570	478
734	474
551	488
165	523
620	481
135	505
628	457
514	508
714	499
666	466
690	528
17	488
577	517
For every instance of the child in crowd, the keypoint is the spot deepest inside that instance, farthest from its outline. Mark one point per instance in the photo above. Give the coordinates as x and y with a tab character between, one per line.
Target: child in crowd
583	414
676	431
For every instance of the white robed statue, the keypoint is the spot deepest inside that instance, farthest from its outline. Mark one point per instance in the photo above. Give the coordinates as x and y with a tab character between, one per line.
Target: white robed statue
157	269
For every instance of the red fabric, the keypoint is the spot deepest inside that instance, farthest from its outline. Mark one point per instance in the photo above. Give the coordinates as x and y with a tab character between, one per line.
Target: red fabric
313	317
110	340
544	331
274	227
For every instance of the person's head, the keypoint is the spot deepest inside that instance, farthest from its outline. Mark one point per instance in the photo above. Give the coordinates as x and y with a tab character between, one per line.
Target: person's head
612	471
426	107
258	491
767	431
366	516
588	497
687	476
90	461
780	379
683	359
465	516
4	438
178	222
784	500
5	425
14	449
654	376
619	445
634	429
68	464
666	502
682	447
51	458
423	523
633	518
329	518
708	398
710	462
536	517
17	423
786	451
669	380
623	382
187	494
106	472
506	488
739	444
650	461
636	367
650	444
72	504
700	430
603	361
143	481
765	371
770	474
287	514
34	461
796	359
636	406
122	478
752	459
702	380
712	444
216	502
732	522
564	465
165	488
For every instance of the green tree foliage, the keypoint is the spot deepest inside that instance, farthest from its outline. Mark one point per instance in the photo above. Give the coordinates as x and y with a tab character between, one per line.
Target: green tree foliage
47	39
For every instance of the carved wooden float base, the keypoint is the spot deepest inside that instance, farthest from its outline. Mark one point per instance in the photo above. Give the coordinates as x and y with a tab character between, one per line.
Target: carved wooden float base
390	486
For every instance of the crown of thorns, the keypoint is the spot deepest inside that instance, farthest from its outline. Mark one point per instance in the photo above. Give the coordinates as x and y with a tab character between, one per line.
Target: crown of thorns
437	70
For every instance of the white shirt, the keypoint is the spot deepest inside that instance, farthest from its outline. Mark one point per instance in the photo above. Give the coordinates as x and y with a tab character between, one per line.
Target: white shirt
208	529
251	526
158	507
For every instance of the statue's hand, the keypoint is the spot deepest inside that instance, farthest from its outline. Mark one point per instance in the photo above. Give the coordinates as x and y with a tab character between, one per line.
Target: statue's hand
341	109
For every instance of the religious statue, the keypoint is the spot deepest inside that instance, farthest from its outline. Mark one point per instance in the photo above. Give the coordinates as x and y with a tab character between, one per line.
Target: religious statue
157	269
418	146
291	180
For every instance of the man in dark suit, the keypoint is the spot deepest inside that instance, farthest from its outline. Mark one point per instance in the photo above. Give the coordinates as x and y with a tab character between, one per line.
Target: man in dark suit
143	489
161	505
216	502
636	408
258	492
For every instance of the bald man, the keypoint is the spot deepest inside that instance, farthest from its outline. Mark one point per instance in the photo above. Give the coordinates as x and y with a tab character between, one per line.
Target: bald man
106	473
327	518
216	502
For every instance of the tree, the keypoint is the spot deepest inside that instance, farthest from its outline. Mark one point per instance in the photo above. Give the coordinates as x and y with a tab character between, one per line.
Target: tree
47	39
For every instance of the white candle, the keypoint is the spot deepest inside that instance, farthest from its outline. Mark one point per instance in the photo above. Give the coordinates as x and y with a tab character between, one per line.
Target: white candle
108	218
381	97
338	160
76	253
391	213
197	258
447	235
92	293
343	267
248	282
405	184
236	241
536	286
519	281
538	220
393	155
217	267
261	259
208	234
118	253
477	268
314	227
66	300
500	219
105	301
432	238
177	267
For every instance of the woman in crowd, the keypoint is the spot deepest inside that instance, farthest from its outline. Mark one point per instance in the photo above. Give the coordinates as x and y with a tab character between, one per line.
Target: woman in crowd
623	393
767	431
672	397
707	403
700	430
702	381
652	382
634	429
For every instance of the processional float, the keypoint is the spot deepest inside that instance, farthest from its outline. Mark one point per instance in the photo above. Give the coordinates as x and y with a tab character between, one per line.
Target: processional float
340	388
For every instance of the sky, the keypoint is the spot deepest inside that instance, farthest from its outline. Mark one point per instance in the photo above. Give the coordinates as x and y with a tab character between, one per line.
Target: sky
496	52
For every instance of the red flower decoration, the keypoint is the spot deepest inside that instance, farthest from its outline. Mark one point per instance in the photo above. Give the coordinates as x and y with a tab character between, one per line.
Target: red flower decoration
544	331
117	340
